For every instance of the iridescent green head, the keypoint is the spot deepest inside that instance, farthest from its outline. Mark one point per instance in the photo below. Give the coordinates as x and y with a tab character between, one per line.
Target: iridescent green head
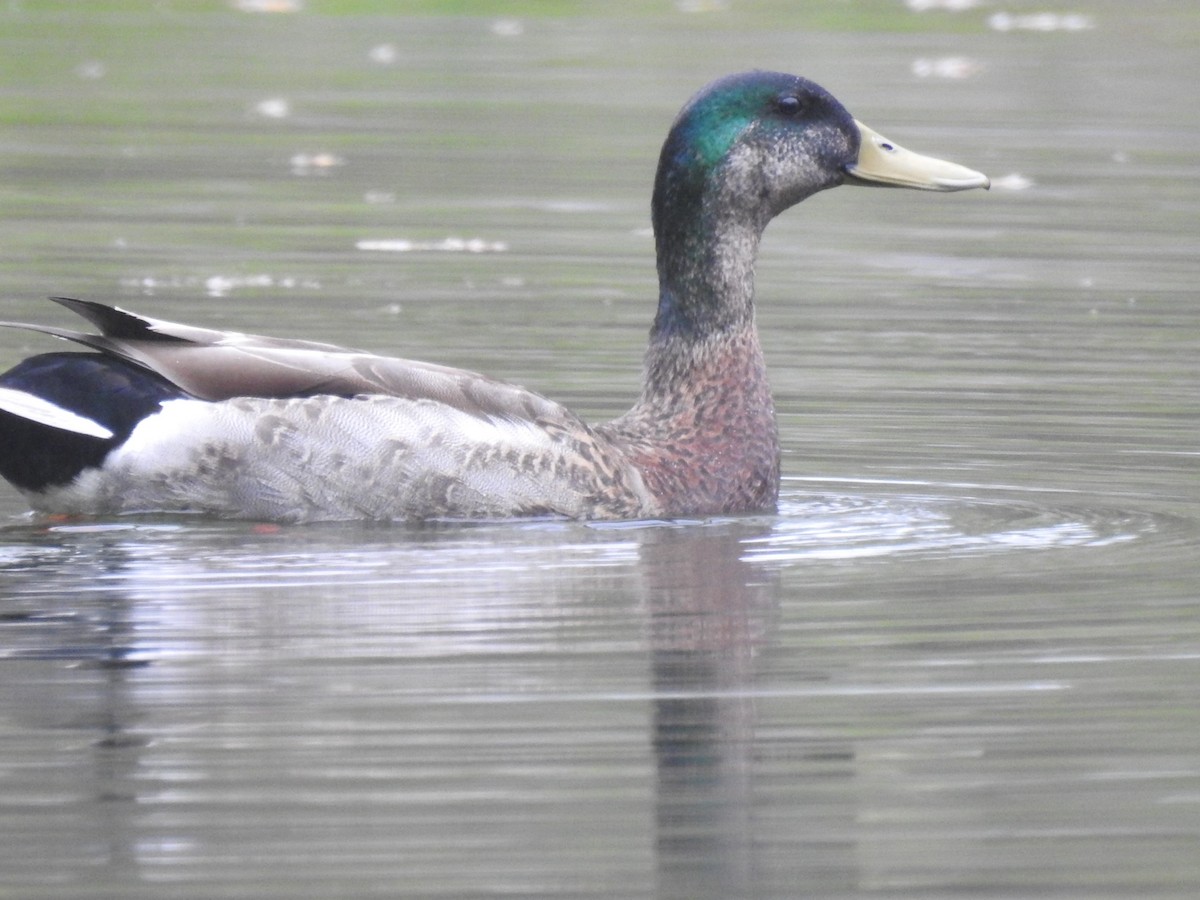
780	137
763	141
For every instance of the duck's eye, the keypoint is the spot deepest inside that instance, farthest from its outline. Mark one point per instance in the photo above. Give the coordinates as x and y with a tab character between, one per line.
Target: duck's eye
790	105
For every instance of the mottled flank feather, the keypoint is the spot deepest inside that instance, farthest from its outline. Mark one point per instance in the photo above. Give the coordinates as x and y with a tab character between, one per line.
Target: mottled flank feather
366	457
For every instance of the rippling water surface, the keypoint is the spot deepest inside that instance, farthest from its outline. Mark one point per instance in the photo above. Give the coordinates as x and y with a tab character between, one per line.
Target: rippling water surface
961	661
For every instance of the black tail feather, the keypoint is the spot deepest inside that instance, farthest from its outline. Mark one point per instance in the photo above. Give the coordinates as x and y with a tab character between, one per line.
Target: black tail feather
109	391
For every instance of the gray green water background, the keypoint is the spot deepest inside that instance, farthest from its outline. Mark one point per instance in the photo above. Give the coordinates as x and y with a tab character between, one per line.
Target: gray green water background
962	660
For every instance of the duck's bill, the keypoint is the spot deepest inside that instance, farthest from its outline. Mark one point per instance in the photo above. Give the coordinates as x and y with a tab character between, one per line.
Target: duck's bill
884	163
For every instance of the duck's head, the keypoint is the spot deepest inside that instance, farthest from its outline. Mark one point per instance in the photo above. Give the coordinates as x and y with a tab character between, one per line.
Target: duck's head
753	144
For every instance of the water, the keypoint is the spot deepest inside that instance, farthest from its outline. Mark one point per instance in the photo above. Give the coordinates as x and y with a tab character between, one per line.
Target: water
960	661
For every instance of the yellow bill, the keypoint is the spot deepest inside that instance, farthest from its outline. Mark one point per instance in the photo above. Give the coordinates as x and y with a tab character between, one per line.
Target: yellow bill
885	163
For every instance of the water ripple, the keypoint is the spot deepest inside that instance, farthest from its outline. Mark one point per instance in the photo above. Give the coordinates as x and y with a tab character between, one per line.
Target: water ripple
937	520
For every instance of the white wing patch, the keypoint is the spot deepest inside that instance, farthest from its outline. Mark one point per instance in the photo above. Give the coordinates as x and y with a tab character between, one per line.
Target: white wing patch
35	409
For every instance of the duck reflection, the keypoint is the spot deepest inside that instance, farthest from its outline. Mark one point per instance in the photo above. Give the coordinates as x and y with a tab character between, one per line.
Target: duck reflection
708	614
78	651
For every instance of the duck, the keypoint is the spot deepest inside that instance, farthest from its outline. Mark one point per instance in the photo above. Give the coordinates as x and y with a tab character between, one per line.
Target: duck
156	417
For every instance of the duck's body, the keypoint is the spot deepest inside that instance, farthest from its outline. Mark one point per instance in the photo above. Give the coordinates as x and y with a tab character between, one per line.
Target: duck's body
170	418
304	432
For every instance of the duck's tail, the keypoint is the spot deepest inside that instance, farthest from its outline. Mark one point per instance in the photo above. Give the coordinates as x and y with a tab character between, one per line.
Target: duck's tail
61	413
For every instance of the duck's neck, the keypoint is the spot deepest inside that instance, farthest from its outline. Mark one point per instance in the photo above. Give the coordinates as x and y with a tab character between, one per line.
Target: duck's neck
703	431
706	240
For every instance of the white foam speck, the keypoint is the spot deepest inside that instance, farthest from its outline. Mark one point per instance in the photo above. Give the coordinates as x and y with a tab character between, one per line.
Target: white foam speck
950	5
267	6
1043	21
218	285
383	54
91	70
446	245
508	28
273	108
315	163
948	67
701	6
